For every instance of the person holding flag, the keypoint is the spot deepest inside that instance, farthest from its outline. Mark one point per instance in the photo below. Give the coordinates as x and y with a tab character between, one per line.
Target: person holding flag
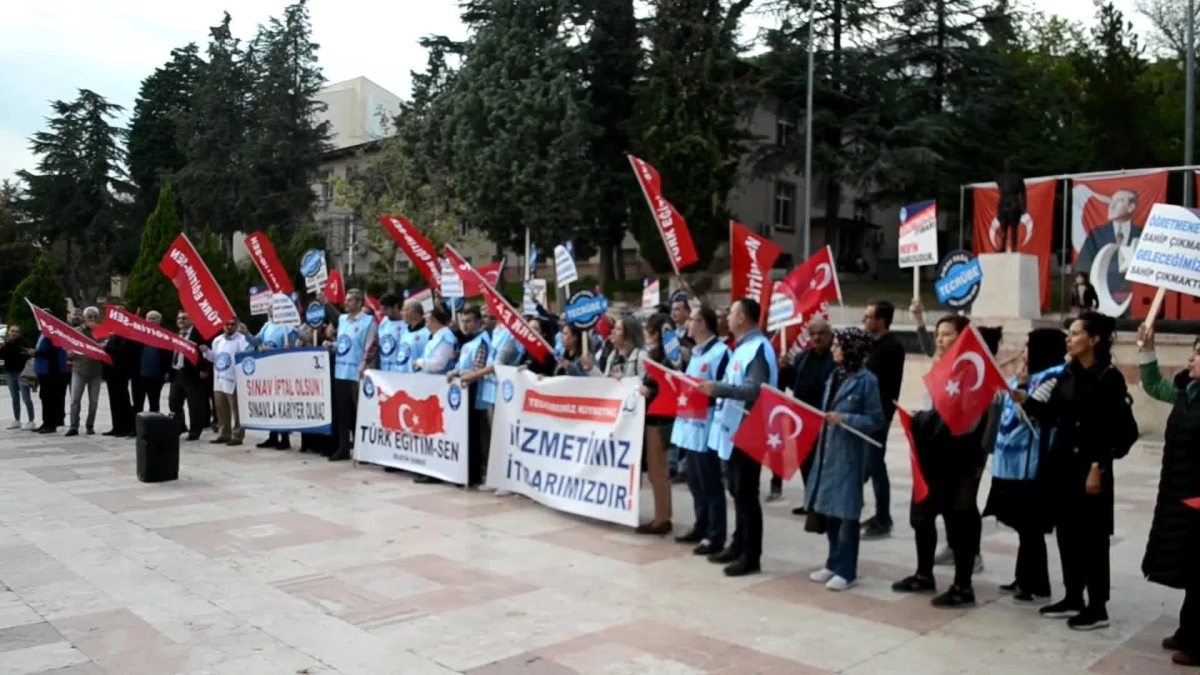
657	459
886	361
270	337
807	375
473	356
354	341
752	365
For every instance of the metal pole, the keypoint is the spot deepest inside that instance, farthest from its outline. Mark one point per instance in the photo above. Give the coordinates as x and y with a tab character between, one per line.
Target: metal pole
962	213
1189	113
808	139
1064	301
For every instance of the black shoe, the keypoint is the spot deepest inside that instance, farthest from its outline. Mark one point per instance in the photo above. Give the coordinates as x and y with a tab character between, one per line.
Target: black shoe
799	511
692	537
1011	589
91	432
706	549
266	444
957	596
339	457
47	430
873	529
915	584
284	446
1091	618
743	567
71	433
112	432
679	478
1027	597
132	434
219	441
1062	609
725	556
391	469
192	438
425	480
234	443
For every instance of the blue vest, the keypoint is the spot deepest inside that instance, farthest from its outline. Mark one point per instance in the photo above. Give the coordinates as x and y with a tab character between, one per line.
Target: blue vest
729	412
444	335
693	434
390	332
559	348
501	337
1018	447
351	345
412	346
466	355
271	336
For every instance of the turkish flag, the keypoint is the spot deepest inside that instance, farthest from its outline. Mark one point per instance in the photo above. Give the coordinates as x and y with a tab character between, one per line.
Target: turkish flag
489	273
671	225
405	414
335	290
806	288
920	487
418	248
1194	502
199	293
262	252
372	304
603	327
779	432
796	335
64	337
751	258
964	381
131	327
527	335
677	394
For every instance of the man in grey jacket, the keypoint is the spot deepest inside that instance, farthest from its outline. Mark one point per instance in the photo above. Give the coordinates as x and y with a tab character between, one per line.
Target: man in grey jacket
86	374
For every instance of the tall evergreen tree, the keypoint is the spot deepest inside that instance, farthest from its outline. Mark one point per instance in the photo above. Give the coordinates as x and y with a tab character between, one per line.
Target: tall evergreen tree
16	242
42	287
148	288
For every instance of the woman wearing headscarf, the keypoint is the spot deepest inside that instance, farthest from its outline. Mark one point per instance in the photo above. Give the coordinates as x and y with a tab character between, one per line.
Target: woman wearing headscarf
835	487
1087	404
1018	497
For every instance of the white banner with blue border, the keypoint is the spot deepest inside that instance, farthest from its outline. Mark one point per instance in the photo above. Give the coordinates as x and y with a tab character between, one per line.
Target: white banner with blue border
285	391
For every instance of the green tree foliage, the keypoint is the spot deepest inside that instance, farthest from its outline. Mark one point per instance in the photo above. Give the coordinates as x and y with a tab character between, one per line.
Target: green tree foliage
16	243
42	287
148	288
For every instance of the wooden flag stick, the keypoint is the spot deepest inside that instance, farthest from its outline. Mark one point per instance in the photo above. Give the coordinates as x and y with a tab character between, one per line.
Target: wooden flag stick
1155	306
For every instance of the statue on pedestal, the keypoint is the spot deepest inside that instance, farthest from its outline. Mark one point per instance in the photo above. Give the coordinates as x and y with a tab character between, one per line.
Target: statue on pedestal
1009	211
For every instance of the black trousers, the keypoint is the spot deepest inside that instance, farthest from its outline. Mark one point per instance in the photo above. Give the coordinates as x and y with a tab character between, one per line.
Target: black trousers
192	392
1188	635
1084	550
120	403
1033	569
147	391
964	529
345	414
52	392
745	475
708	495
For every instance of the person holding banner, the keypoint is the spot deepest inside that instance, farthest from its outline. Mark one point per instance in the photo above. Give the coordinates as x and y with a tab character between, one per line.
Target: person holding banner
270	337
188	384
473	357
223	355
354	341
438	355
658	429
86	375
571	360
50	366
154	367
752	365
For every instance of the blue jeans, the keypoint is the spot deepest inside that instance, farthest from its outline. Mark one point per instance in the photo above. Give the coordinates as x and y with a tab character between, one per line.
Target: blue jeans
19	392
877	472
843	547
708	495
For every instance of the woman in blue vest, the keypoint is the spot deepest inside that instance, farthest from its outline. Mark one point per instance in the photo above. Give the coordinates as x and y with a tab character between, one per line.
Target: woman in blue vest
438	357
835	486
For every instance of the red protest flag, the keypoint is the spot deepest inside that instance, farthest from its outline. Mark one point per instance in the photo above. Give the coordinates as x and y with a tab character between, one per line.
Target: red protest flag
809	286
751	258
199	293
262	252
1194	503
498	307
671	225
920	487
335	290
64	337
472	286
964	381
131	327
677	394
372	303
417	247
779	432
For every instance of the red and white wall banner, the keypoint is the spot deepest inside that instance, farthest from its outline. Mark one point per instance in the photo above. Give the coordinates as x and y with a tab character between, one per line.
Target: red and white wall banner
64	337
751	258
671	225
413	421
571	443
262	252
132	327
1035	235
199	293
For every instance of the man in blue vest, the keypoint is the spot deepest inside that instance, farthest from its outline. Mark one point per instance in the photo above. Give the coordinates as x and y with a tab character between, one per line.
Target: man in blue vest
752	365
709	358
354	346
391	330
472	358
270	337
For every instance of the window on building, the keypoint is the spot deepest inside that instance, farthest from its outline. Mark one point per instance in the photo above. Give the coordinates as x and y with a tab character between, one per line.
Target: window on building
785	132
326	187
785	206
463	227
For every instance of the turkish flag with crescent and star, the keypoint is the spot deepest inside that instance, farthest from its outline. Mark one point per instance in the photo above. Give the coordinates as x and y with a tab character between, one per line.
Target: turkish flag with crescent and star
489	273
779	432
964	381
809	286
677	394
335	290
920	487
498	307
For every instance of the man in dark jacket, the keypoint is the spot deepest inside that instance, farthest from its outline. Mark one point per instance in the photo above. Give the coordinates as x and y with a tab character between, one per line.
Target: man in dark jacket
806	377
188	384
886	362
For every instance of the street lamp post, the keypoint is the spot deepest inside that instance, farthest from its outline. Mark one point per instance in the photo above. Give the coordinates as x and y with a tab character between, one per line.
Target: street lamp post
1189	113
808	139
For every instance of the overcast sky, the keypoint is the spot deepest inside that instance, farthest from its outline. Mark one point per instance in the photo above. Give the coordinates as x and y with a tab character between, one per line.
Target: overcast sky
48	50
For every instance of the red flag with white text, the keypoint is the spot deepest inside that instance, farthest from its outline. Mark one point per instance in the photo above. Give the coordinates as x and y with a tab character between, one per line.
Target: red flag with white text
262	252
674	231
751	258
132	327
779	432
199	293
677	394
805	289
64	337
920	487
335	290
964	381
527	335
418	248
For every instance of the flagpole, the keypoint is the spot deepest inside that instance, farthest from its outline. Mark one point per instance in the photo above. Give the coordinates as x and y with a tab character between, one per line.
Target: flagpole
526	256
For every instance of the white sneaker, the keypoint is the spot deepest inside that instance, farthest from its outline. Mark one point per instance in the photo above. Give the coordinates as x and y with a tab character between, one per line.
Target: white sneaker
30	426
14	426
838	584
821	576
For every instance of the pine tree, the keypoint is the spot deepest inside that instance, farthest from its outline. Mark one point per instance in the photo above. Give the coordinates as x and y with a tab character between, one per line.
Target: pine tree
16	243
148	288
42	287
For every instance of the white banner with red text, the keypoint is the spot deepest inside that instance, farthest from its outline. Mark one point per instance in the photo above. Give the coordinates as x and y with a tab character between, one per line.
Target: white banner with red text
413	421
285	391
571	443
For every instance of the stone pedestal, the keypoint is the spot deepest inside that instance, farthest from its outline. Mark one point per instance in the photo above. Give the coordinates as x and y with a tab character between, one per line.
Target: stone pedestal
1009	289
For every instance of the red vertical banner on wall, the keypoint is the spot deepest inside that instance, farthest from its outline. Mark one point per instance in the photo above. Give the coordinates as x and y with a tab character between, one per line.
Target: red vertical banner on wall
1107	216
1035	236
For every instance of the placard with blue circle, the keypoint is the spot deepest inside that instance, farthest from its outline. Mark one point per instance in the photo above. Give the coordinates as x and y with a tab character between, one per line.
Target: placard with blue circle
315	314
585	308
455	304
959	279
311	264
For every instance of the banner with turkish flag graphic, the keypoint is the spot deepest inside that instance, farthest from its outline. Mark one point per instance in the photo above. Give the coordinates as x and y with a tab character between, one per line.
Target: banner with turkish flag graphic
677	394
416	246
64	337
132	327
920	486
805	289
1107	216
671	225
262	252
335	289
964	381
527	335
199	293
751	258
413	421
779	432
1035	235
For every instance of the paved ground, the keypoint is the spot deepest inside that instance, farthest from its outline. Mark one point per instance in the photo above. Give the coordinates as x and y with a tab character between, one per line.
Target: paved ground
275	563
